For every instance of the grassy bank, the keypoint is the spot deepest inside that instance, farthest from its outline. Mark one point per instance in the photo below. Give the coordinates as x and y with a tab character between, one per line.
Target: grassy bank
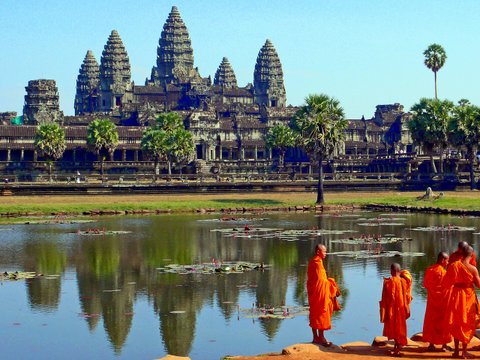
192	202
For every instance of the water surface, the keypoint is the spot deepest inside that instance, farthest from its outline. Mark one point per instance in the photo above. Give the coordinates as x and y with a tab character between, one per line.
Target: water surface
102	297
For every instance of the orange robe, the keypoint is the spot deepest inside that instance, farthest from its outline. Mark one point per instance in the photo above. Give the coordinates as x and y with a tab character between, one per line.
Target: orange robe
457	255
321	295
395	306
434	329
462	303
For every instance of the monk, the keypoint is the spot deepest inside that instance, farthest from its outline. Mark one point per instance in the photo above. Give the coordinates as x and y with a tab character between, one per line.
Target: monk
395	306
434	330
462	304
322	293
458	254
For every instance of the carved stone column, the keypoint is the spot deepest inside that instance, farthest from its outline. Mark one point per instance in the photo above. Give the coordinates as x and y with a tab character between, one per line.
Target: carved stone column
9	155
124	155
22	154
135	155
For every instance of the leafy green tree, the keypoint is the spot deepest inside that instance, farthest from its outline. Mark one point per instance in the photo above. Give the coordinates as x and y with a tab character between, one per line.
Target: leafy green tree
320	125
168	140
464	130
102	134
50	143
280	137
429	126
181	147
154	144
435	57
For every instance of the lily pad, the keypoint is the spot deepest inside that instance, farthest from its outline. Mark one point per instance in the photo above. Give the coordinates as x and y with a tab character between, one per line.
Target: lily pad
212	268
371	241
101	232
18	275
381	224
277	312
444	228
369	254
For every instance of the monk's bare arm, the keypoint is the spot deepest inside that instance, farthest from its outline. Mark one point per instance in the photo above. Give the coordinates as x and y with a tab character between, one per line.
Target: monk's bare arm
476	277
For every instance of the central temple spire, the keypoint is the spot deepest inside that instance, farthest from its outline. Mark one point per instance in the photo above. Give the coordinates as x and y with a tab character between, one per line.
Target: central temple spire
174	52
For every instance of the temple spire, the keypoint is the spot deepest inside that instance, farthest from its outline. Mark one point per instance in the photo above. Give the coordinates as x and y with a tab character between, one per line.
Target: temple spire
225	75
114	73
174	52
87	85
268	78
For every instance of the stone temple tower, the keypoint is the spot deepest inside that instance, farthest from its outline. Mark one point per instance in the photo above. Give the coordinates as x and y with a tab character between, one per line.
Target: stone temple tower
268	78
225	76
42	103
174	52
115	84
86	98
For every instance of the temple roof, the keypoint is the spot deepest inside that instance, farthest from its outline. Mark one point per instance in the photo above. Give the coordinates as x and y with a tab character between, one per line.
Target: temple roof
225	76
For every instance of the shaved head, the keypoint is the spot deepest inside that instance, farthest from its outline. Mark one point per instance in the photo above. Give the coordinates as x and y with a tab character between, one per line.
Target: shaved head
462	245
442	255
320	247
468	251
395	269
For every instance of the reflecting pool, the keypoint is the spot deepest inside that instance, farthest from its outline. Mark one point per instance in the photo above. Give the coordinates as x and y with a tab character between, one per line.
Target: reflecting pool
102	296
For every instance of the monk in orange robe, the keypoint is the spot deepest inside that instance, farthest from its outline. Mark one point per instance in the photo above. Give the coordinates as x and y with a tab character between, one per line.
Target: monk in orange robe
395	306
322	292
462	306
434	329
458	254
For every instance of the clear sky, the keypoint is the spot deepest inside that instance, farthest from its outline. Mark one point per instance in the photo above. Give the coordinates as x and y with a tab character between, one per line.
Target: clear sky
364	53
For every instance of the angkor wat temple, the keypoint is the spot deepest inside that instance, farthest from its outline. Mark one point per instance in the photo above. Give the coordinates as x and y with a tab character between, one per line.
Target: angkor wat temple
228	121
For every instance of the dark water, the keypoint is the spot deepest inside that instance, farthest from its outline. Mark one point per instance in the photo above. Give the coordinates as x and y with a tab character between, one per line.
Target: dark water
103	297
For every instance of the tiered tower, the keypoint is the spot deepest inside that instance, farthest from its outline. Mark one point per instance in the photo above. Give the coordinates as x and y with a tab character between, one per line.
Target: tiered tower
115	84
268	78
225	76
86	99
174	52
42	102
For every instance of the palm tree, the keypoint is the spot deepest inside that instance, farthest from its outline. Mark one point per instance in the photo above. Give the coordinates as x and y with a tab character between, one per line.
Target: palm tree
181	147
320	125
50	143
429	126
102	135
280	137
435	57
464	130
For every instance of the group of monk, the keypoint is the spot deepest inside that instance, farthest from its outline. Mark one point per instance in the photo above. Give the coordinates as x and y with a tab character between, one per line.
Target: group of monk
452	305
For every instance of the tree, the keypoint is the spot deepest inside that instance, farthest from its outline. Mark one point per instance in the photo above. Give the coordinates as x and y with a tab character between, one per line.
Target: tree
429	126
464	130
102	135
50	143
435	57
280	137
168	140
320	125
155	146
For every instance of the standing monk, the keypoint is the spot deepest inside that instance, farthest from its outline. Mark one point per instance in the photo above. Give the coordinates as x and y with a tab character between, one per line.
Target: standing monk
434	330
458	255
461	314
322	293
395	306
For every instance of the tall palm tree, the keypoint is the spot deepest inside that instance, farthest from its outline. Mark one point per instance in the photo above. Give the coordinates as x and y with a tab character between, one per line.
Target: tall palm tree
435	57
429	126
464	131
320	125
102	134
50	143
280	137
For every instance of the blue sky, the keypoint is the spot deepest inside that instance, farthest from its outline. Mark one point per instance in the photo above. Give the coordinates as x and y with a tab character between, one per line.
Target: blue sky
363	53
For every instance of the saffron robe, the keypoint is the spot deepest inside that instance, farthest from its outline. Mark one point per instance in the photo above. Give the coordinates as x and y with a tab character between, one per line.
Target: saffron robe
462	303
395	306
457	255
321	295
434	329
